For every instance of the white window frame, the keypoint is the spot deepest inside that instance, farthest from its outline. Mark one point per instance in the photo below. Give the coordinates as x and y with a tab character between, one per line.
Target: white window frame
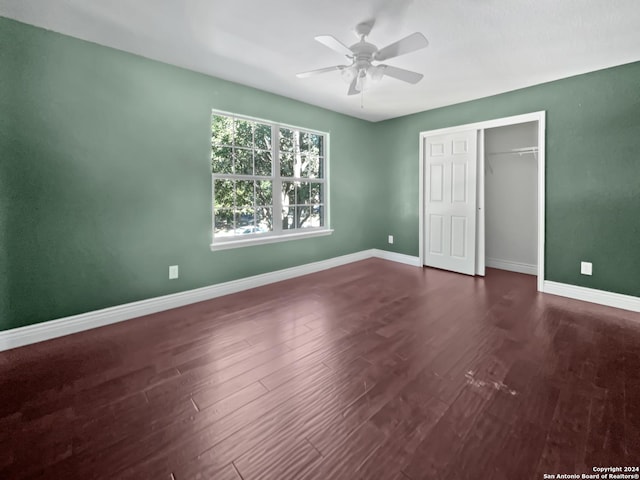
278	234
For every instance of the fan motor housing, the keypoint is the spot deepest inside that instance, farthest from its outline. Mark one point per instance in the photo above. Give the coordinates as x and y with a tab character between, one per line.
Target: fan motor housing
363	53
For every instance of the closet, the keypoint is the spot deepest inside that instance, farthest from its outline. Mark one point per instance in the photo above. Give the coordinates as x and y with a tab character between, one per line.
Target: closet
511	197
482	196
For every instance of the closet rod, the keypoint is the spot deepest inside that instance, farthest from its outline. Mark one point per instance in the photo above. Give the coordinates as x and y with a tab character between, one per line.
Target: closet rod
519	151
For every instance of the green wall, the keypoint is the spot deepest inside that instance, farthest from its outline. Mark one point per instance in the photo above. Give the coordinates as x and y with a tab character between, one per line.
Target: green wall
592	173
105	178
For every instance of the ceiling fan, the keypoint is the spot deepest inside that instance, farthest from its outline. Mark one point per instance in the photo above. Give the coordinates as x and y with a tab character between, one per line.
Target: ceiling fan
363	55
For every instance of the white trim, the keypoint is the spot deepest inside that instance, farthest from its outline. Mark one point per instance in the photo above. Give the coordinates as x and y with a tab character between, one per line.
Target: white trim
610	299
481	258
542	161
422	182
85	321
253	178
327	180
40	332
497	122
397	257
265	120
518	267
540	117
269	239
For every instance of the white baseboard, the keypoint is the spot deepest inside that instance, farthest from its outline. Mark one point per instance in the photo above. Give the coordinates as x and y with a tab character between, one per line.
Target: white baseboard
618	300
512	266
397	257
40	332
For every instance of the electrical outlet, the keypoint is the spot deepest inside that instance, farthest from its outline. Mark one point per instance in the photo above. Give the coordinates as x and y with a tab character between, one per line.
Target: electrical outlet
390	238
586	268
173	272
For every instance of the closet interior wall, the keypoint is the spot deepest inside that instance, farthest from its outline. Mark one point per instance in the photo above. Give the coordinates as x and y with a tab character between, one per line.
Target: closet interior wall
511	197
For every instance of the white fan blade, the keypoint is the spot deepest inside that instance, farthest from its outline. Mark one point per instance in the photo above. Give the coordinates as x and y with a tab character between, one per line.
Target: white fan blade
311	73
401	74
352	87
409	44
334	44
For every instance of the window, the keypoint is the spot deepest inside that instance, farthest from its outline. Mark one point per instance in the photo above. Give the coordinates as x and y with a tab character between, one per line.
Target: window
269	181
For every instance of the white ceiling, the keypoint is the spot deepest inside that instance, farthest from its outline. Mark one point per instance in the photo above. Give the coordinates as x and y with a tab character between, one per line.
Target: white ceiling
477	47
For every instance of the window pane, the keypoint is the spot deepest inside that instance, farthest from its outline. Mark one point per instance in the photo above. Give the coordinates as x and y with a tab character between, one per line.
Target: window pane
221	160
302	217
245	220
223	190
221	130
223	223
313	169
243	161
262	136
288	218
263	162
315	220
243	133
244	193
305	142
264	219
316	193
288	194
286	140
302	193
286	165
264	192
315	144
299	164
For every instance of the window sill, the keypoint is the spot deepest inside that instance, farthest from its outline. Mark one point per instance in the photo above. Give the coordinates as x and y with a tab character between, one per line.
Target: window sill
265	240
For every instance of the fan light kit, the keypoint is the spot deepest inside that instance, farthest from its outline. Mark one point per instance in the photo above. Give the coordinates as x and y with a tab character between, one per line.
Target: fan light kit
363	55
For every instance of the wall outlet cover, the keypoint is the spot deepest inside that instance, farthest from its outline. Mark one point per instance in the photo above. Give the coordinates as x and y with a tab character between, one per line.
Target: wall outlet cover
173	272
390	238
586	268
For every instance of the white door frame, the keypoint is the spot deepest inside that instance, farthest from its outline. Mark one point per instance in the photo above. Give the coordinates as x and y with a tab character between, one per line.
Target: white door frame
480	220
539	117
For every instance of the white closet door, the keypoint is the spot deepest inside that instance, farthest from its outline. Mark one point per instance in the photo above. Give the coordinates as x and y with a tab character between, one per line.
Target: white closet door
450	163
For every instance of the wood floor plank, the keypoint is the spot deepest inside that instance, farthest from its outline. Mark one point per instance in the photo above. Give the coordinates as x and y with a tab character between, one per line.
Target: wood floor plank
290	460
525	444
415	395
369	370
208	429
117	426
347	454
439	450
216	372
482	450
565	444
228	404
286	419
403	439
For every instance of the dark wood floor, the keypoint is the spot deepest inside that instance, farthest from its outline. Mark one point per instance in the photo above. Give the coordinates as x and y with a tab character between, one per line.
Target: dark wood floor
373	370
